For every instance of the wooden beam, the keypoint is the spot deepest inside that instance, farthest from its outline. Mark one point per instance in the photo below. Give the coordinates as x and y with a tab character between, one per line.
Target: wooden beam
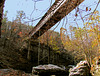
57	11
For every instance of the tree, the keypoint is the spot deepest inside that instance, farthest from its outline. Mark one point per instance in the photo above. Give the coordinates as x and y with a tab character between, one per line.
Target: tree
1	13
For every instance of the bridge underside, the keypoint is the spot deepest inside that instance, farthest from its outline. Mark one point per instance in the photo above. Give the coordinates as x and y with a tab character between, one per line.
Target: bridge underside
57	11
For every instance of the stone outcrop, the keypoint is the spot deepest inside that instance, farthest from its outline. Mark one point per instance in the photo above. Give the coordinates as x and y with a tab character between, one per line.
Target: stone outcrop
49	69
96	71
82	69
12	72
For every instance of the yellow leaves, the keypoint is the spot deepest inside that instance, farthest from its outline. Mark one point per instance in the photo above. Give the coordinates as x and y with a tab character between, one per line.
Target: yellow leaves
55	48
92	18
66	43
94	43
96	12
99	38
58	52
51	42
90	34
99	50
90	30
15	30
97	17
99	22
89	23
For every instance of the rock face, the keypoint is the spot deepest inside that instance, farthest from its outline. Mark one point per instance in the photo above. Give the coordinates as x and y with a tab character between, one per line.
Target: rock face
81	69
49	69
12	72
97	68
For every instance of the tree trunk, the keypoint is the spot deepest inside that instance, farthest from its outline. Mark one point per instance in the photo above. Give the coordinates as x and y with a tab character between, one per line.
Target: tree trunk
1	13
29	48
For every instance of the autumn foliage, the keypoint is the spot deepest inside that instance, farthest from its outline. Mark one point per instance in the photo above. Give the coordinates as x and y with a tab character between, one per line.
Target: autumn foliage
83	41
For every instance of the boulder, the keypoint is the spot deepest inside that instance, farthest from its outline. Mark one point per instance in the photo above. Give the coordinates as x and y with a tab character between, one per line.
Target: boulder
48	69
12	72
97	68
81	69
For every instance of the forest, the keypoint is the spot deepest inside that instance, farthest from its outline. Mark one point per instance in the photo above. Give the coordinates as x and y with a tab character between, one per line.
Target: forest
70	49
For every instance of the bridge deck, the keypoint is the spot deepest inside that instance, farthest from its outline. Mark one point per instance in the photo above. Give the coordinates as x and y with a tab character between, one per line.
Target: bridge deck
57	11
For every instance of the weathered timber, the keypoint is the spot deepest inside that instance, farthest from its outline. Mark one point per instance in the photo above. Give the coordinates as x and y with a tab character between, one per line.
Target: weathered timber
57	11
1	13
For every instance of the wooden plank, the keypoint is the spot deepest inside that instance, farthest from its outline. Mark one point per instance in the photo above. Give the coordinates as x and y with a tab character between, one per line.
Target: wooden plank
57	11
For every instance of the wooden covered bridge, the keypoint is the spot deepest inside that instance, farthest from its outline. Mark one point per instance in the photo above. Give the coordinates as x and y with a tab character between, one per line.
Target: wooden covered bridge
56	12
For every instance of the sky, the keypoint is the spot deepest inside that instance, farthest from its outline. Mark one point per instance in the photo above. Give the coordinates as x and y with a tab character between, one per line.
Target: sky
37	8
12	6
